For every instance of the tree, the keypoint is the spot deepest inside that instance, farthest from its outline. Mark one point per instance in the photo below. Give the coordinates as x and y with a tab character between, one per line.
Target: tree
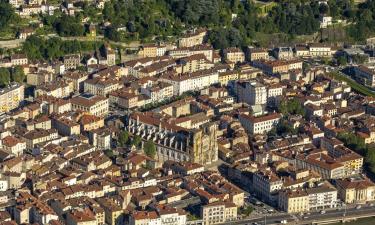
6	14
136	141
123	138
342	60
18	75
150	149
291	107
4	77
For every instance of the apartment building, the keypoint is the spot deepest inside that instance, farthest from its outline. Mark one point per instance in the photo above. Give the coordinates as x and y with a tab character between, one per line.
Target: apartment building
365	75
71	61
57	89
13	145
277	66
322	196
11	96
37	136
323	164
157	91
251	92
293	201
191	81
193	64
267	185
126	99
260	124
75	79
114	214
257	54
162	216
227	76
206	50
101	85
151	50
356	190
218	212
95	105
319	50
18	59
234	55
191	39
283	53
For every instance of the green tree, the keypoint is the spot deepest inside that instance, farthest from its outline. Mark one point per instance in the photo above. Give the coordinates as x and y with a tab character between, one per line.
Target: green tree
4	77
136	141
18	74
291	107
6	14
342	60
123	138
150	149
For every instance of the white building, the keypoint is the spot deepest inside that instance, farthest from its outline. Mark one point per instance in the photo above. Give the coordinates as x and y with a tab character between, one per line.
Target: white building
260	124
192	81
323	196
252	93
325	21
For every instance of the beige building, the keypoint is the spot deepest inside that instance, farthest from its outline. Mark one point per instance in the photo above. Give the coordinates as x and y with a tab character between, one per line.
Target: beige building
66	127
95	105
81	217
192	39
234	55
72	61
39	77
19	59
57	89
75	79
11	96
125	99
193	64
39	136
218	212
352	190
101	85
114	214
258	54
14	145
294	201
151	50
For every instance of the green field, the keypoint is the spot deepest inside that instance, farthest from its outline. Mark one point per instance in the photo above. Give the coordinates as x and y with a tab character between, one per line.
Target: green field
353	84
368	221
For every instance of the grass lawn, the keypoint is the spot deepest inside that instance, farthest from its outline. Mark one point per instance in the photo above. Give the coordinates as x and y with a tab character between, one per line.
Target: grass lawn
367	221
353	84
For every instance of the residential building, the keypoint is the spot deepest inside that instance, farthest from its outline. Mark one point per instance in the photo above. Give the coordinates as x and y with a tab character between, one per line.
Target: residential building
364	75
193	38
234	55
251	92
95	105
72	61
260	124
18	59
191	81
218	212
257	54
11	97
356	190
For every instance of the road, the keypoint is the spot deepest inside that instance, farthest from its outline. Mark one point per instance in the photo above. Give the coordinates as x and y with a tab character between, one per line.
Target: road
315	216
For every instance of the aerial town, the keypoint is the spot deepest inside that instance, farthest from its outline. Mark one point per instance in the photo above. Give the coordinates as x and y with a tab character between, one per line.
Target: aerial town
182	131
